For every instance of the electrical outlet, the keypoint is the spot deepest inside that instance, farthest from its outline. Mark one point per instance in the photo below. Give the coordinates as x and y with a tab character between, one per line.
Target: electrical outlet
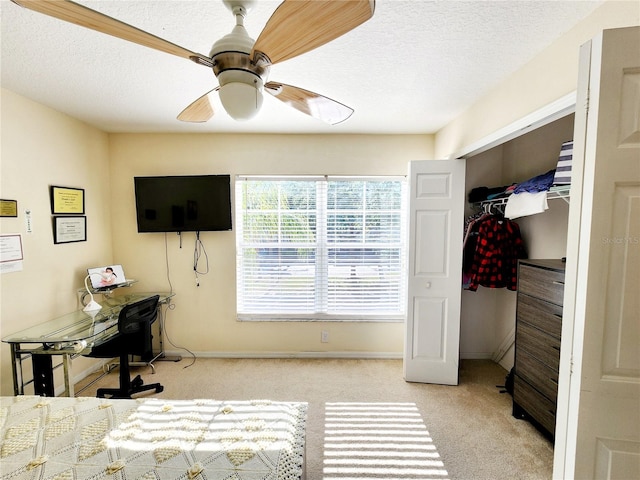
324	336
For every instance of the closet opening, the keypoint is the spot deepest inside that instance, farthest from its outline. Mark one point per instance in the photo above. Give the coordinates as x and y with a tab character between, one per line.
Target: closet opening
488	315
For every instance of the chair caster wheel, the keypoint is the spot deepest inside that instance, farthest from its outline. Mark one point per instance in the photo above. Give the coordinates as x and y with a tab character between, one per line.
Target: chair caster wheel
159	389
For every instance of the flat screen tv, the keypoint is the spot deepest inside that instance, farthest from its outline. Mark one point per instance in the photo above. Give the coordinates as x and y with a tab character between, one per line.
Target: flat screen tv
189	203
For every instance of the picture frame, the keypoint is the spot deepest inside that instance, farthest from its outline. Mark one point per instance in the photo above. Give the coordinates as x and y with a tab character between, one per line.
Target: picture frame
67	200
8	208
69	229
11	247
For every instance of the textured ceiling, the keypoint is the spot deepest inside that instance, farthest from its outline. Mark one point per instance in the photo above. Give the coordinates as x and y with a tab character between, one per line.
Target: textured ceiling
412	68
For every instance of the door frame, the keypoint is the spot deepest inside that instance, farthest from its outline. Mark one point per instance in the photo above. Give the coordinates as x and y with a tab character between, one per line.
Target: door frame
567	404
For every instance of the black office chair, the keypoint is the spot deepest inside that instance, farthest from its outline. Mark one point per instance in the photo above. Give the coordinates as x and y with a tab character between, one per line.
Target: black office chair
133	338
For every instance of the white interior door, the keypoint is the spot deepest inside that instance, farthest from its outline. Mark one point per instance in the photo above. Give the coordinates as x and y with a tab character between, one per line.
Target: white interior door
598	429
436	224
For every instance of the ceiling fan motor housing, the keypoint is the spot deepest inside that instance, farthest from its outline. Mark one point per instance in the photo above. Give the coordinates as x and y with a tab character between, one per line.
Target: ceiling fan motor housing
241	80
234	66
230	55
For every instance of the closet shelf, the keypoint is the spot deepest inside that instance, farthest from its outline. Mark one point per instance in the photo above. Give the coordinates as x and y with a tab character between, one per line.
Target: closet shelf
554	192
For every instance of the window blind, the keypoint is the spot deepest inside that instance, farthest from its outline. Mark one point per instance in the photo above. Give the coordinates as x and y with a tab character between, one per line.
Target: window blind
320	248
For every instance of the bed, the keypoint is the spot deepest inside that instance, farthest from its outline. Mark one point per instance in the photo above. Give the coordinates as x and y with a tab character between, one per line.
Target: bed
150	439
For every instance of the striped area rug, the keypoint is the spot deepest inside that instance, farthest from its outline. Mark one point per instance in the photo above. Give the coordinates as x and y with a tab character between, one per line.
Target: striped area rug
373	441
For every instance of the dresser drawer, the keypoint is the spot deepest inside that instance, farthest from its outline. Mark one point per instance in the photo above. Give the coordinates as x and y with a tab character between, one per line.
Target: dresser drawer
543	378
535	404
541	283
542	315
538	344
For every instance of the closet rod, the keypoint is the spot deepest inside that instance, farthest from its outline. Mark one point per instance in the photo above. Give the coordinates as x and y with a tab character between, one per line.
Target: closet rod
554	192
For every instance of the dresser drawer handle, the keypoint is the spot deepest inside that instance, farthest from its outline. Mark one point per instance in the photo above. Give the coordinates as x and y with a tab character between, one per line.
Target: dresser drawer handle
559	315
557	282
555	347
553	380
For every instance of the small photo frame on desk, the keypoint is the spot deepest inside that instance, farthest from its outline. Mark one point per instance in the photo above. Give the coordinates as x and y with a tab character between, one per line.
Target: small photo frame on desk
67	200
68	229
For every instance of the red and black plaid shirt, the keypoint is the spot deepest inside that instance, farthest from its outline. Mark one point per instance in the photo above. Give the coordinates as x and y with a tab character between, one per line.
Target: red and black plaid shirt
498	248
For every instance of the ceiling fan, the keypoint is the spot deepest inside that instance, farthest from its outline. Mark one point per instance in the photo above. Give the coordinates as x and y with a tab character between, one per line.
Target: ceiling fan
242	65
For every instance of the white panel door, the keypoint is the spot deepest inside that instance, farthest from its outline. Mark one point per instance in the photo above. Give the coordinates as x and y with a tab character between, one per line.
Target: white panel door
598	430
436	224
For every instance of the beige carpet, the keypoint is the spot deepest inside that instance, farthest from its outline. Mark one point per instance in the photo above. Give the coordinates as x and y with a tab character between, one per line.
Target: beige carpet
366	422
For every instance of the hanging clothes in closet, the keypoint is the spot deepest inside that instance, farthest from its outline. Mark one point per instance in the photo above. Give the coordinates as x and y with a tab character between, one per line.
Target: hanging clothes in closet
492	248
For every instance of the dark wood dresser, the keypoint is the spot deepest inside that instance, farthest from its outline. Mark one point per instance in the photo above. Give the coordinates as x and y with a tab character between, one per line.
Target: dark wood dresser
537	350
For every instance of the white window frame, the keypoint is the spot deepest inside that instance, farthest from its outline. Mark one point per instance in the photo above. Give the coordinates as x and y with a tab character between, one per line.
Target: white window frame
321	255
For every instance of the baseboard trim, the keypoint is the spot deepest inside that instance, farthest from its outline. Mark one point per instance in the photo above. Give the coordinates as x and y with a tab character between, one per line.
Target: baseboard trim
476	356
504	347
320	355
354	355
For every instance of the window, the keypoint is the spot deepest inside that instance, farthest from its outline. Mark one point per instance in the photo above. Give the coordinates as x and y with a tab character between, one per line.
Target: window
320	248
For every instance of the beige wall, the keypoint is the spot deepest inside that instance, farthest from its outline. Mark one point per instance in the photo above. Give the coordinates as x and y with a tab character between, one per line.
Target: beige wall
549	76
39	148
204	318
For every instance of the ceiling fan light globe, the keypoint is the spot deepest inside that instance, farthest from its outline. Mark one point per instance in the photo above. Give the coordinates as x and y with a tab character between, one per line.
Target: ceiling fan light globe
241	101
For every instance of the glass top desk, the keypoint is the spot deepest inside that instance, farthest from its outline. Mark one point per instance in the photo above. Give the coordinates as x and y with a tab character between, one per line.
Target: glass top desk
69	335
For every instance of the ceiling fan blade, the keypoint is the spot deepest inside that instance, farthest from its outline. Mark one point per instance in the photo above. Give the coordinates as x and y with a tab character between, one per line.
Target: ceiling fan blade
85	17
298	26
312	104
199	111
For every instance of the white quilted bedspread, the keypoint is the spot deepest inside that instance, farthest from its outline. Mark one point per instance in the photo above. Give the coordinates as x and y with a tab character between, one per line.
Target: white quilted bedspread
151	439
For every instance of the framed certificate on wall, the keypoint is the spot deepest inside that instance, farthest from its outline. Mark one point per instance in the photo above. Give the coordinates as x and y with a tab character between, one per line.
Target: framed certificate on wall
66	200
67	229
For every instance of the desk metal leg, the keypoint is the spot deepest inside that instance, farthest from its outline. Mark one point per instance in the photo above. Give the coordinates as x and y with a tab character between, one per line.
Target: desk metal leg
68	381
18	387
